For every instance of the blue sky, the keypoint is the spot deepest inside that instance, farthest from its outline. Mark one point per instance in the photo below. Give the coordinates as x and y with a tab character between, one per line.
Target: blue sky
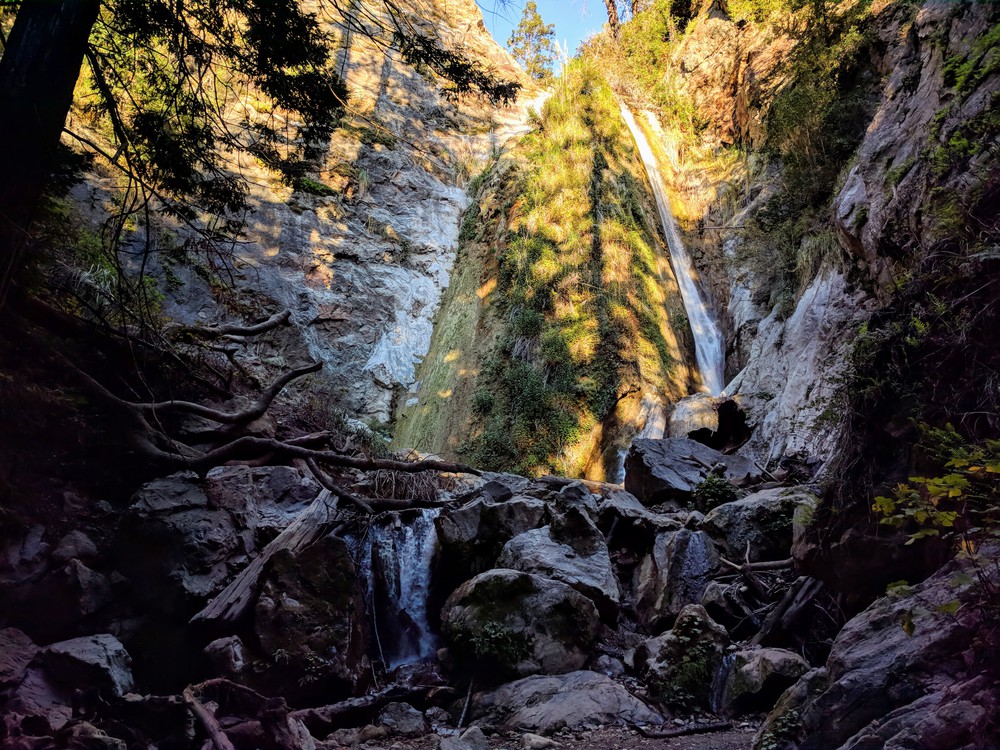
574	20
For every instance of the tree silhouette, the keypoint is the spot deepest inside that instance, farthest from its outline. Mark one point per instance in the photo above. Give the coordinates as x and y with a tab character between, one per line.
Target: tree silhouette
531	43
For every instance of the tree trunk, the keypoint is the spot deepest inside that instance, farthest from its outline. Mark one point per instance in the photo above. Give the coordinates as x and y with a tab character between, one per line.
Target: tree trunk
612	6
38	73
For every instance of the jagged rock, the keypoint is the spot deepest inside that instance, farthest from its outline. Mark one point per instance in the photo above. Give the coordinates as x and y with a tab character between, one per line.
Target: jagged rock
24	558
679	665
472	537
619	507
658	471
535	551
904	666
675	574
39	697
544	705
99	661
753	680
517	623
85	736
404	720
183	538
763	520
228	656
471	739
726	606
75	544
310	622
16	652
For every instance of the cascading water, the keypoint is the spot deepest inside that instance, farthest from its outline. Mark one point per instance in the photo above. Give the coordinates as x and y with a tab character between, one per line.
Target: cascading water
396	558
708	342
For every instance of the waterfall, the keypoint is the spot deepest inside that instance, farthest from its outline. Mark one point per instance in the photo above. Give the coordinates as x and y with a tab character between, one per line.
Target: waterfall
708	343
718	689
395	559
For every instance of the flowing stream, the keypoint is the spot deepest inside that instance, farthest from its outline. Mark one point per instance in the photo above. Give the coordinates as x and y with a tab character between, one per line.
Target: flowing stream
395	559
708	342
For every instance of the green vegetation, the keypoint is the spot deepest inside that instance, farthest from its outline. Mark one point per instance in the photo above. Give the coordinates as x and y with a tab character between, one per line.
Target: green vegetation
580	303
711	492
531	43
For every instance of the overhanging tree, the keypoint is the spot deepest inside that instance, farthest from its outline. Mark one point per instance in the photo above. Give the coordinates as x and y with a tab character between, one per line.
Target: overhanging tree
167	76
531	43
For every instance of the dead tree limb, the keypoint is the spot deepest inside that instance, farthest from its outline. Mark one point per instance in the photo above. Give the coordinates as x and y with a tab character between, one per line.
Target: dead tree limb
789	609
234	600
323	720
208	721
757	566
336	490
244	416
212	333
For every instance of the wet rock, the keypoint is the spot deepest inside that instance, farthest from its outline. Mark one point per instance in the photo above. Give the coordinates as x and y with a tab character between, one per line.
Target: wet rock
658	471
404	720
546	704
679	665
586	568
514	623
887	661
675	574
310	623
763	520
16	652
753	680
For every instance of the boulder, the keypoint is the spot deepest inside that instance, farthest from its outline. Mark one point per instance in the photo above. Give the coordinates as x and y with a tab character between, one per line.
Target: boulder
183	538
678	667
471	739
546	704
906	665
507	622
658	471
619	508
753	680
763	520
403	720
99	661
471	537
311	624
228	656
16	652
675	574
75	545
587	570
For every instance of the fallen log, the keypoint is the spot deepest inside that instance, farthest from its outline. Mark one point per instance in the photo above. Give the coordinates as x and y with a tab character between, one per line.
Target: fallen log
789	609
662	734
208	721
324	719
239	595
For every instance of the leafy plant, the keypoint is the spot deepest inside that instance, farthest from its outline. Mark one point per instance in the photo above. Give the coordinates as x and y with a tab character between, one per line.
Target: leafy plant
712	491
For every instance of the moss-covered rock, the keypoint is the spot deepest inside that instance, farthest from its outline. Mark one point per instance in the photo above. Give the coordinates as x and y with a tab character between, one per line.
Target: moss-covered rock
509	623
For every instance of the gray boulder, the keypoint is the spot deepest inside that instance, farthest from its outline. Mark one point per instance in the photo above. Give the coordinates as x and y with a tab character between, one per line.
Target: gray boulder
658	471
99	661
753	680
76	544
676	573
16	652
403	720
513	623
588	571
546	704
905	666
619	508
763	520
471	739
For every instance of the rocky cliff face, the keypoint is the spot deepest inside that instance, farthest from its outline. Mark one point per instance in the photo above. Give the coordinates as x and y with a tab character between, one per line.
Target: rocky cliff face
362	251
924	87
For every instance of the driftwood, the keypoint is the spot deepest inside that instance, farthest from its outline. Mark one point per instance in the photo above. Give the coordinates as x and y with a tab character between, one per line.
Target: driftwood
208	721
321	721
230	330
659	734
238	596
789	609
756	566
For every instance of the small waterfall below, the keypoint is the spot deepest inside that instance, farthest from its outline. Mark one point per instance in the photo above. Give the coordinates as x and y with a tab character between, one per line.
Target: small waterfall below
708	342
395	558
719	682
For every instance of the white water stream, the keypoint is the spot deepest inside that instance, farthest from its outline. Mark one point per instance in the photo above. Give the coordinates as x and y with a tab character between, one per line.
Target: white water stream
708	342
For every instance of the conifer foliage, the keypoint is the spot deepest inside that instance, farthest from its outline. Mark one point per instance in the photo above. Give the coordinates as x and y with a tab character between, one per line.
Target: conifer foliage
531	43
